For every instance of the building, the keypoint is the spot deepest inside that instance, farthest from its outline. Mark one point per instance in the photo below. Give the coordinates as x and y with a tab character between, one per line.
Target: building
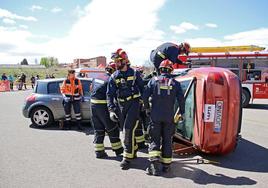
99	61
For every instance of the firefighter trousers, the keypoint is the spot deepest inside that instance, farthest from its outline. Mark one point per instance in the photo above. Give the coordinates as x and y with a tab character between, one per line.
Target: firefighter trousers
160	148
67	109
139	136
130	117
103	124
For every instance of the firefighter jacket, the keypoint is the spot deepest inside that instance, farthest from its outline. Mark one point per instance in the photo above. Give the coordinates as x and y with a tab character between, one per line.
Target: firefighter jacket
165	92
72	89
124	86
166	50
99	90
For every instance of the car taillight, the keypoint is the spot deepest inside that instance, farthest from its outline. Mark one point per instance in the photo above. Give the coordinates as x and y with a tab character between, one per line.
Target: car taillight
218	79
31	98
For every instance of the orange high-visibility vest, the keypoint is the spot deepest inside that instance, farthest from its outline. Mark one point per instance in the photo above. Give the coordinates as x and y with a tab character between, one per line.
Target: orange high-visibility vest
72	87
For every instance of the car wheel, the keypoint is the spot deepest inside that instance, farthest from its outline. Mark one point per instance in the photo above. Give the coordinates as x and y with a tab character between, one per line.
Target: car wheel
41	117
245	98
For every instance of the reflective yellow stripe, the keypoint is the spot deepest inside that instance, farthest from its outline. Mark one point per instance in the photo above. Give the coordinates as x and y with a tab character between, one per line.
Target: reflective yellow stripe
99	147
165	87
95	101
140	139
136	147
116	145
154	153
128	155
136	96
166	160
129	98
131	155
130	78
117	81
161	55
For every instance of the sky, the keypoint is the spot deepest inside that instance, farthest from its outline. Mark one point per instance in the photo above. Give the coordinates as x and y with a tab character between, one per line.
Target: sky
84	29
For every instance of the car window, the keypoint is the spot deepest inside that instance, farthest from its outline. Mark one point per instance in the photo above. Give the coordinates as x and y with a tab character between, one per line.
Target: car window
54	88
186	129
86	87
41	88
185	85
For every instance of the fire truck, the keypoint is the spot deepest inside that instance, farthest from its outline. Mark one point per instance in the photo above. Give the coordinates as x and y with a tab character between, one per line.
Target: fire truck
249	63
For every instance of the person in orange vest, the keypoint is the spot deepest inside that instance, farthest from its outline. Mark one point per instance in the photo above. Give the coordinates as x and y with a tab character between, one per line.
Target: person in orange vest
72	92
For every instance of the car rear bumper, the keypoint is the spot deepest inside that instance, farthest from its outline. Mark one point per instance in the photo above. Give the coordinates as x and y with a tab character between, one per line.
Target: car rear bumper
25	111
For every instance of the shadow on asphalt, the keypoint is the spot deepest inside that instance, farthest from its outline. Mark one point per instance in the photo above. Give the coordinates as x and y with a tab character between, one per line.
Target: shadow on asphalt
248	156
199	176
88	130
258	106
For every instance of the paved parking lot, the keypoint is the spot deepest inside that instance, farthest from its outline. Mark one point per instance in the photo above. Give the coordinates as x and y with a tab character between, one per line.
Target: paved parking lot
31	157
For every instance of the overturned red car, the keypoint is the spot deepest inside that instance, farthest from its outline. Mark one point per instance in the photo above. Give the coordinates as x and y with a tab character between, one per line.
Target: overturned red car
213	111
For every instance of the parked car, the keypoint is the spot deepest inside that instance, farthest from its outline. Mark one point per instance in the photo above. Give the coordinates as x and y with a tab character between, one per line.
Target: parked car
45	104
213	110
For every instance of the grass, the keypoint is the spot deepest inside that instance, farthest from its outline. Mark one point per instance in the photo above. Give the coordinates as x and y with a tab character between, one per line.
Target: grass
58	72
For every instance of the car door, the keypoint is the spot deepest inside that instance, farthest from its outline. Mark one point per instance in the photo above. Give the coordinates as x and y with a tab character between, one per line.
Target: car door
186	129
56	99
86	105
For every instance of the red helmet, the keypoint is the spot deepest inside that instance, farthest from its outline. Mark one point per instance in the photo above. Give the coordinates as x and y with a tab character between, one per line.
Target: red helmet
119	54
167	64
111	67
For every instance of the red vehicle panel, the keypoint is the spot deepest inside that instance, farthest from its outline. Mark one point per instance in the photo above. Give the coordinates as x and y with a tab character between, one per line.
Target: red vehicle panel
217	110
260	90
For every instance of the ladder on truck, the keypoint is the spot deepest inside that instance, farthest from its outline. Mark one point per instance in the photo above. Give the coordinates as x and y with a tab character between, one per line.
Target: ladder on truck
225	49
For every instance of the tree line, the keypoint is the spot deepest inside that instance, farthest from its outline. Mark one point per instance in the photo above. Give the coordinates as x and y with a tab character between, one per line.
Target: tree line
46	61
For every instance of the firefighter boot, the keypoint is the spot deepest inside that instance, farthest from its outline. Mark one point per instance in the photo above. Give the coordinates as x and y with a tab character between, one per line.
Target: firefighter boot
125	164
79	126
153	168
101	155
119	152
67	125
166	168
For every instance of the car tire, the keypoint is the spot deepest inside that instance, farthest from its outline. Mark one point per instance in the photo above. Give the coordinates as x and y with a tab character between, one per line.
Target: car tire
245	98
41	117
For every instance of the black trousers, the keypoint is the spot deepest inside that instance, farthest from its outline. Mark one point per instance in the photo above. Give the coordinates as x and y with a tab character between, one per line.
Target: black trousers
130	117
161	134
67	108
101	124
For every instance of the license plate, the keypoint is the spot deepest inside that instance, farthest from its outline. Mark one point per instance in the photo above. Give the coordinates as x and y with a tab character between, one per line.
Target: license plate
218	116
209	113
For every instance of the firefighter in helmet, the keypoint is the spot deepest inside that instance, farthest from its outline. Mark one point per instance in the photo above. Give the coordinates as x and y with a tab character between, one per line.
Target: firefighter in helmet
72	92
125	85
100	115
169	51
164	92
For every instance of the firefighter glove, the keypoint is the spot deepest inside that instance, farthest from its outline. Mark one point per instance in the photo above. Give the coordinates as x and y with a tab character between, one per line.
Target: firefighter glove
113	117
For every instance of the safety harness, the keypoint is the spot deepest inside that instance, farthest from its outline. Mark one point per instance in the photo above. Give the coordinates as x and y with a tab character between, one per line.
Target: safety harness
163	86
129	78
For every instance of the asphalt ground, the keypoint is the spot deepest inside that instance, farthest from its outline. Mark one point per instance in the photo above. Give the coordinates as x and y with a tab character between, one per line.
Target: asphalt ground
32	157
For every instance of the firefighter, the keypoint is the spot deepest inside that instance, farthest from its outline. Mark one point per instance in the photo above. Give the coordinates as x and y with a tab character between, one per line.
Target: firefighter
125	85
164	91
169	51
100	116
72	92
